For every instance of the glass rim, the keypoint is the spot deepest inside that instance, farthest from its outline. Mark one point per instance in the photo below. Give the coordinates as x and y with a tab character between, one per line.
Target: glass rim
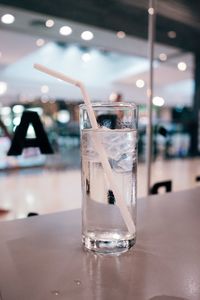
120	104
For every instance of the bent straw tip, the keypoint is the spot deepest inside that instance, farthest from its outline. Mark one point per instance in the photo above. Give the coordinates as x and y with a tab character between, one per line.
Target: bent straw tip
37	66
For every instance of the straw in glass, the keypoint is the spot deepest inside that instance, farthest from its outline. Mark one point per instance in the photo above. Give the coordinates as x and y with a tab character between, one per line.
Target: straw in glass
98	145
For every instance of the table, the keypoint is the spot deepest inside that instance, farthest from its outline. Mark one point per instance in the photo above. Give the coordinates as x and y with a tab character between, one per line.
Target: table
41	257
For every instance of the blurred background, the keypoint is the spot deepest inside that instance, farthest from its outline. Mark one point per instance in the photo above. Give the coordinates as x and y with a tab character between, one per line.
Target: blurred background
104	44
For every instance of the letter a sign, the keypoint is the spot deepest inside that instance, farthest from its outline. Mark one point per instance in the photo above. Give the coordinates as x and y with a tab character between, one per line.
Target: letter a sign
20	141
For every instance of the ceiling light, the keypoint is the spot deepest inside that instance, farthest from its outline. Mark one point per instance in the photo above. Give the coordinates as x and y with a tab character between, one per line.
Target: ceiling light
3	87
65	30
18	109
40	42
171	34
87	35
140	83
6	110
163	56
7	19
151	10
121	34
0	54
63	116
86	57
49	23
158	101
7	121
16	121
44	89
182	66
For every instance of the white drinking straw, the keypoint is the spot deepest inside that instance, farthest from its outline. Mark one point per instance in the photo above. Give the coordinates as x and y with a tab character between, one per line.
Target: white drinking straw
99	148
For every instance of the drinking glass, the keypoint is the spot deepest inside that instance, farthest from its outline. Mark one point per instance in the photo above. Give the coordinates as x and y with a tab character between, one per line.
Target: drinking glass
109	223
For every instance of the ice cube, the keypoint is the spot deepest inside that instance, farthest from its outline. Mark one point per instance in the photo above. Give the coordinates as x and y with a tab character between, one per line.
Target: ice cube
114	152
126	164
118	146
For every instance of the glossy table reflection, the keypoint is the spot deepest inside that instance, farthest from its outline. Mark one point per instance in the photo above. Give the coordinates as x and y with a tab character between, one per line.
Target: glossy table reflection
41	257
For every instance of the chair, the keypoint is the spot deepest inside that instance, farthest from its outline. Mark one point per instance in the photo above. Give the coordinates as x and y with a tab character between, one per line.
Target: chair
32	214
166	184
197	178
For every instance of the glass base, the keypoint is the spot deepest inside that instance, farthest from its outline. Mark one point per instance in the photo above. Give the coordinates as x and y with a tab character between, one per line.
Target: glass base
108	246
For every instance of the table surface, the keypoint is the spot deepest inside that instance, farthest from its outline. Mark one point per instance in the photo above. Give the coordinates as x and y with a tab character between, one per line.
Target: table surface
41	258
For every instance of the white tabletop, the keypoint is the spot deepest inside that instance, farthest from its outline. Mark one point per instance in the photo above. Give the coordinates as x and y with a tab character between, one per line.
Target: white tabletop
41	258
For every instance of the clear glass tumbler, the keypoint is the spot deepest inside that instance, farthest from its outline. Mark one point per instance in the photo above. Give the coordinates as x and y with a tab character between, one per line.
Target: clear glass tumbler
109	188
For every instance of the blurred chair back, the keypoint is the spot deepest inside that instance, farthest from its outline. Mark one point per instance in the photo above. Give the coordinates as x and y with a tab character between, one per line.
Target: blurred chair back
166	184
